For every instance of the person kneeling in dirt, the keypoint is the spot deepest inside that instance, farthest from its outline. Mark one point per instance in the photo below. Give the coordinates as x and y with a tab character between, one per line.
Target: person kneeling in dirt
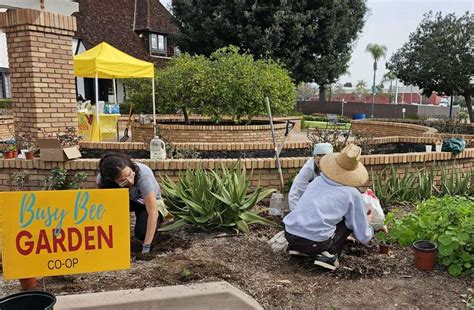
308	173
119	171
330	210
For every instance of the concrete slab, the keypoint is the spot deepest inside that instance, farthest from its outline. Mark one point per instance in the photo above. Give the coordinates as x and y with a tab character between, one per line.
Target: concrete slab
214	295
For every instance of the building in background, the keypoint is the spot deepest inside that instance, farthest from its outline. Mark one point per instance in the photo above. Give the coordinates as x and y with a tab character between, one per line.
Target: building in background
5	88
142	29
139	28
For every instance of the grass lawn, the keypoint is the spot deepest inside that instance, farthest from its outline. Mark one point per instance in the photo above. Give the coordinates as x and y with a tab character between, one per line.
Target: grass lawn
314	124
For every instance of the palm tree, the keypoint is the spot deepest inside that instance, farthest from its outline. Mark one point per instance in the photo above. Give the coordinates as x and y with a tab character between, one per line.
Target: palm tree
377	52
360	88
390	76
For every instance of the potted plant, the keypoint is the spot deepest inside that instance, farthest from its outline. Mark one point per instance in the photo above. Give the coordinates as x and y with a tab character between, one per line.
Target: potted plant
425	254
28	146
385	242
11	152
7	154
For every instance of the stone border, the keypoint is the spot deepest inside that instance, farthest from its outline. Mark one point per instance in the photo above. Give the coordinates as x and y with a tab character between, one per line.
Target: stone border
213	295
382	129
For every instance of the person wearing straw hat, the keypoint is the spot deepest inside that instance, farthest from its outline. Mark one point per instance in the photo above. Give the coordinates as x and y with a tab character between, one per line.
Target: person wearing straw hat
330	210
308	173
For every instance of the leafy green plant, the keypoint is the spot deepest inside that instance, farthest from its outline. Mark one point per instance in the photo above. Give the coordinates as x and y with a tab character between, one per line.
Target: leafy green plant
447	221
185	273
6	103
69	137
226	83
391	188
77	180
58	180
214	199
18	180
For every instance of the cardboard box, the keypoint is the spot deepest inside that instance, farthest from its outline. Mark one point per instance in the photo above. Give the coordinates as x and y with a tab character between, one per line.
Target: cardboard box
51	150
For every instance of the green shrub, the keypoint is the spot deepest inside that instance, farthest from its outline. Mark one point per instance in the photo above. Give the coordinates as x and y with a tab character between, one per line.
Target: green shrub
447	221
6	103
214	199
391	188
227	83
58	180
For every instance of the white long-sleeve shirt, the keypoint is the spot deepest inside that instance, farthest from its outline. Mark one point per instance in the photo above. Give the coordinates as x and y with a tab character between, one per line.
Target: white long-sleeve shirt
323	205
301	182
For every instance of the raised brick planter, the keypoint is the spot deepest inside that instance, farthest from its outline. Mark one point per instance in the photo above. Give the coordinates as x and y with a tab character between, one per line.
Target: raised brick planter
180	133
264	171
384	129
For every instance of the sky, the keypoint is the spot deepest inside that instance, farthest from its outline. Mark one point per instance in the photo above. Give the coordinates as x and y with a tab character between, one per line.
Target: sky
389	22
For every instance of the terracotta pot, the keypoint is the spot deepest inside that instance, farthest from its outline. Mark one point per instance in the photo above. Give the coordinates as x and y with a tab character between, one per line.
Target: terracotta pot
28	155
425	255
28	283
8	154
385	249
15	154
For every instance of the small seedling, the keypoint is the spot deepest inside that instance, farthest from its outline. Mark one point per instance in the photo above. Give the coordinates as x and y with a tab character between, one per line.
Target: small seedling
185	273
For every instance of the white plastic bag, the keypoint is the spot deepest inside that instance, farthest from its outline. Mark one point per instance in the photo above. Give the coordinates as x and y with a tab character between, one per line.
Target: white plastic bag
278	243
372	203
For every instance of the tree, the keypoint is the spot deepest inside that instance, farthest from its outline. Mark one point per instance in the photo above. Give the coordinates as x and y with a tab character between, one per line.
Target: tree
361	89
377	52
390	77
305	91
313	39
439	56
226	83
348	84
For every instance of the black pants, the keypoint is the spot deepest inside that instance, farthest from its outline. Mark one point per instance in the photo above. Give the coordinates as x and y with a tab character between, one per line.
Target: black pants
141	216
335	245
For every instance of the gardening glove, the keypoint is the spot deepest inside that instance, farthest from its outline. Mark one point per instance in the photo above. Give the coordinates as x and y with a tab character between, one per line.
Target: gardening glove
167	217
146	248
278	243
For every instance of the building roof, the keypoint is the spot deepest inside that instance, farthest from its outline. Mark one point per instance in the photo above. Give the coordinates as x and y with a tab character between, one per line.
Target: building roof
112	21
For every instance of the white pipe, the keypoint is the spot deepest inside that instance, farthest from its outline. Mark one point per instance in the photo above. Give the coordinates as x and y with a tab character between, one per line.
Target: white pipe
115	91
97	97
396	91
154	105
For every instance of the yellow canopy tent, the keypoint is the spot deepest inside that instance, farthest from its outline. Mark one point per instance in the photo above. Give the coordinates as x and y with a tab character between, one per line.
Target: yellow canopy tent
106	62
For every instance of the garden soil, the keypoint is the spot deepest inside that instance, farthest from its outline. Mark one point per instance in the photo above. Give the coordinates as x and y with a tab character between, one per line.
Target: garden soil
365	279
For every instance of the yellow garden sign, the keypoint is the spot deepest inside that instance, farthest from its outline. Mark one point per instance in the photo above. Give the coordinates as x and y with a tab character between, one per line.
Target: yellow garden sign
48	233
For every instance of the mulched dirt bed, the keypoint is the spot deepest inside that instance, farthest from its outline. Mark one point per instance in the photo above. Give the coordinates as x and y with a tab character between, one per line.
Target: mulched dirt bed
366	279
390	148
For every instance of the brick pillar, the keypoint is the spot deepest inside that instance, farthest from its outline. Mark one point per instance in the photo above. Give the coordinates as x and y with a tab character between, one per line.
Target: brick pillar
41	70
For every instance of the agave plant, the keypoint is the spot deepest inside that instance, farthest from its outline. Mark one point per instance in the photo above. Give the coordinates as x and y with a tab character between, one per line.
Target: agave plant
214	199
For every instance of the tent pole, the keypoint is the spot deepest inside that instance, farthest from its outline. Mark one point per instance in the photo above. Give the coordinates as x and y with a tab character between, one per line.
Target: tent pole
97	96
115	91
154	105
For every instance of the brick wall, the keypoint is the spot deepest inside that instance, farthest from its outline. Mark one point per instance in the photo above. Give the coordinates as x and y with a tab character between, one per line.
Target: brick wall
263	168
208	134
6	126
41	70
117	146
383	129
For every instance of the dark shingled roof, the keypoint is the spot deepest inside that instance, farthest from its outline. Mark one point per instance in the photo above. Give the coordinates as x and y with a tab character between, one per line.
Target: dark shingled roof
112	21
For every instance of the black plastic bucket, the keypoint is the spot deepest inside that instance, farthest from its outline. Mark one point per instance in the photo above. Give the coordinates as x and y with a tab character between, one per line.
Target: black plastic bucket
34	300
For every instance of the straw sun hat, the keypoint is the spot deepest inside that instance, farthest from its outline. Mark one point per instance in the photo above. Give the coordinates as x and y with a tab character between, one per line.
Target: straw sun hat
345	167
